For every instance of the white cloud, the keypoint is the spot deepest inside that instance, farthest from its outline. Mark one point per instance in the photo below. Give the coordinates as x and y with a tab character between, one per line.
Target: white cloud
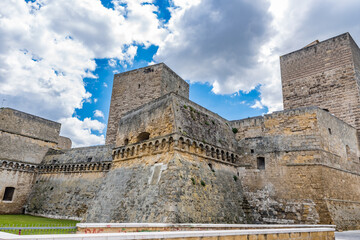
95	100
218	44
112	62
257	104
98	113
105	85
48	47
80	132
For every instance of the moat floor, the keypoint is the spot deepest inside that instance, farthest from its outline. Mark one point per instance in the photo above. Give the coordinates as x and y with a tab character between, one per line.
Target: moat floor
348	235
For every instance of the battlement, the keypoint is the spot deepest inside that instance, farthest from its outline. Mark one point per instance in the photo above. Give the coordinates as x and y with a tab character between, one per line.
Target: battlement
176	142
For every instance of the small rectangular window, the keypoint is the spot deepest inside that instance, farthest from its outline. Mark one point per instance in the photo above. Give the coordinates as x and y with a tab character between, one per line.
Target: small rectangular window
9	193
261	163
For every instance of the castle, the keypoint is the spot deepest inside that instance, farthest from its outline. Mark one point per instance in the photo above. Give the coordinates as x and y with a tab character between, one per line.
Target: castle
167	159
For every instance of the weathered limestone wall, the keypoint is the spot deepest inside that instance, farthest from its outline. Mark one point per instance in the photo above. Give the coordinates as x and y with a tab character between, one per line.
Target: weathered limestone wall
65	195
24	124
155	118
68	181
23	149
64	143
310	157
135	88
89	155
324	75
25	137
200	124
174	114
169	186
24	141
19	176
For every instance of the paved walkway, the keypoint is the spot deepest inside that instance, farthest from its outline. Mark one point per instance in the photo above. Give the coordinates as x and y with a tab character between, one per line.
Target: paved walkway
348	235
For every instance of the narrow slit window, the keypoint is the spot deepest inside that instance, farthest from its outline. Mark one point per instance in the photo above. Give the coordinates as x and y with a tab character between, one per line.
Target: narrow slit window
261	163
8	194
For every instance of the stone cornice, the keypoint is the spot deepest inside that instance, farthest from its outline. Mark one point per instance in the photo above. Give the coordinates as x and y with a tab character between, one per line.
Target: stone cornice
176	142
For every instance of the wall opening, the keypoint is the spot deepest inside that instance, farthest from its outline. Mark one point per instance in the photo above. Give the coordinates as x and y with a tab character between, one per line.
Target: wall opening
126	141
138	85
252	150
261	163
8	194
348	153
326	110
89	159
211	167
329	129
143	136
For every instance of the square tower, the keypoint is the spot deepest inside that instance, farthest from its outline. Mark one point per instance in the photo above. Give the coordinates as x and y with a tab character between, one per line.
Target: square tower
137	87
324	74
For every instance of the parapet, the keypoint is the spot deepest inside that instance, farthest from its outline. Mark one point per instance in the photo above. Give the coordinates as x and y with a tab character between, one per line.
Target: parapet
175	114
64	143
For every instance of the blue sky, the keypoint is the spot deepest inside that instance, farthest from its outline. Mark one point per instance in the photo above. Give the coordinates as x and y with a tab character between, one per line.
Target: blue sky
58	58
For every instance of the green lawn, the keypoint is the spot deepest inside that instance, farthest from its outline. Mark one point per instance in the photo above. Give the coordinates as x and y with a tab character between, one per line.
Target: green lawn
28	219
32	221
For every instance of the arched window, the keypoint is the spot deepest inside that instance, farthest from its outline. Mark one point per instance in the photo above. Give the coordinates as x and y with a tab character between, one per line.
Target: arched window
143	136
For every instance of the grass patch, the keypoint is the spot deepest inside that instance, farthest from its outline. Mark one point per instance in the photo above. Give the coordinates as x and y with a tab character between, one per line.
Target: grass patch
28	219
32	221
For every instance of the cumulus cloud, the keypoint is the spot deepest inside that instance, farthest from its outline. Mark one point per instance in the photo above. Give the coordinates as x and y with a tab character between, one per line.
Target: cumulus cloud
236	46
48	47
82	132
112	62
217	44
98	113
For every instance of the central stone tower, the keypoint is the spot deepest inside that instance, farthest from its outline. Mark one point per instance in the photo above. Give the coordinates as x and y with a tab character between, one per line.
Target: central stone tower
138	87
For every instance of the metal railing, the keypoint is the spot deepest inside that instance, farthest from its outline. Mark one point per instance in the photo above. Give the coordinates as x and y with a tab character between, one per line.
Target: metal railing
34	229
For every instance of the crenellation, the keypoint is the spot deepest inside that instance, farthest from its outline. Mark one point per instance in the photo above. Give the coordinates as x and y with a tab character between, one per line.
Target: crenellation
175	142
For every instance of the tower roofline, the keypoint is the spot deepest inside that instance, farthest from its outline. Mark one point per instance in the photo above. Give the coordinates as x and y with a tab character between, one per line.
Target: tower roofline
320	42
149	66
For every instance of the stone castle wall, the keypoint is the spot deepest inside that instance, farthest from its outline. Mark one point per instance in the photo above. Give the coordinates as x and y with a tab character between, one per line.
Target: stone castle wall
135	88
68	180
306	155
24	141
19	176
169	183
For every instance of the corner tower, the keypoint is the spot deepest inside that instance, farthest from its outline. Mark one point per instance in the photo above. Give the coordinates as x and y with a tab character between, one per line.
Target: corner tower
324	74
137	87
